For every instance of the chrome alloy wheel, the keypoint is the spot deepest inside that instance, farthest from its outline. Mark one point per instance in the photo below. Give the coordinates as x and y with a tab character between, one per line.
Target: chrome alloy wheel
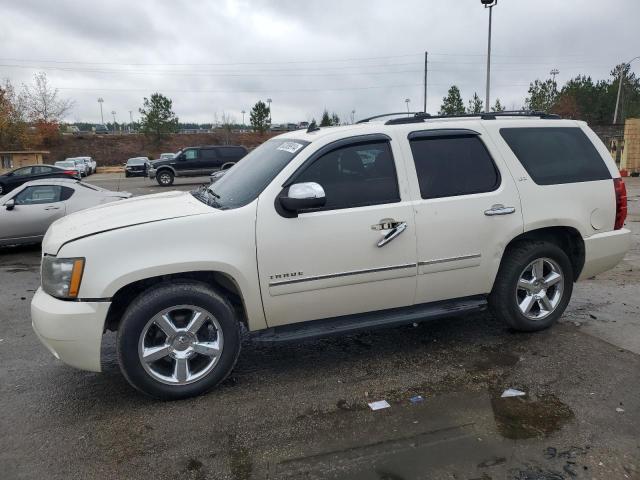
180	345
539	289
165	178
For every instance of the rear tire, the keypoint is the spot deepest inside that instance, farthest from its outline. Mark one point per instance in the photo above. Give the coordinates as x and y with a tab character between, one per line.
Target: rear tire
533	286
190	360
165	178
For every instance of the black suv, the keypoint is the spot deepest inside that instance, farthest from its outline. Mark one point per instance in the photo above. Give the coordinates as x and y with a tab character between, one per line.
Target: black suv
195	161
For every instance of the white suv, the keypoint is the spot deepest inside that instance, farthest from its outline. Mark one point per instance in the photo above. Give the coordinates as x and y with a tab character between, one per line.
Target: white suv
330	230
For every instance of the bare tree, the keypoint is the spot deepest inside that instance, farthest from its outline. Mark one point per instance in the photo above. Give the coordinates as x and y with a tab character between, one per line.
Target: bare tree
43	103
227	124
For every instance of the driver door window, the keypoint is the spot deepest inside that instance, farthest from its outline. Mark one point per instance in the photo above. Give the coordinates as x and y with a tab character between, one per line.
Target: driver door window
22	172
39	194
355	176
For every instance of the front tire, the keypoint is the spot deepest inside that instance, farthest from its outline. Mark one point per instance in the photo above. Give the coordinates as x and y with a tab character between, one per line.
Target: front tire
178	340
165	178
533	286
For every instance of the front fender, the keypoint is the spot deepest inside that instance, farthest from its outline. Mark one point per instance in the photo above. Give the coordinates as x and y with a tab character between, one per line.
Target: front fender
223	241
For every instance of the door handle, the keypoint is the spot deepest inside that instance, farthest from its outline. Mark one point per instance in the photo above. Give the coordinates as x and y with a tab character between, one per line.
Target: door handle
52	208
393	233
386	224
499	209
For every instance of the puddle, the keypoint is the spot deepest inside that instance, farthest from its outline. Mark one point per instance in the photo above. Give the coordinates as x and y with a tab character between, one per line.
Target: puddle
523	417
495	359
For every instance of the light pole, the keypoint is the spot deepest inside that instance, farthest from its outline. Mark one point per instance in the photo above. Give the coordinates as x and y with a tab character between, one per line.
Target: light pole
113	112
269	102
243	112
615	113
407	100
488	4
131	118
101	101
353	116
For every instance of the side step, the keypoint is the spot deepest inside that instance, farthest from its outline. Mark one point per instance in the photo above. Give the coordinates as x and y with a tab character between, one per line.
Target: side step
371	320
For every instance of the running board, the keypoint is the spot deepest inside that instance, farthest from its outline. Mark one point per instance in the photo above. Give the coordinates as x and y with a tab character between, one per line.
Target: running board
370	320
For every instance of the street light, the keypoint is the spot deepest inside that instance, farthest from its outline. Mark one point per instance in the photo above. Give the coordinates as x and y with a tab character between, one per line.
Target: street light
269	102
113	112
243	112
101	101
353	116
131	118
407	100
488	4
615	113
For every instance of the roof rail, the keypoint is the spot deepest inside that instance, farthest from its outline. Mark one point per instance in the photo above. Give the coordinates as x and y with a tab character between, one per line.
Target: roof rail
421	116
416	114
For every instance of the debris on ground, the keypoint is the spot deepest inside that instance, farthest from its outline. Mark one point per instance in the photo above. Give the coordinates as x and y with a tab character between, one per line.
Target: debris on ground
620	410
379	405
416	399
512	392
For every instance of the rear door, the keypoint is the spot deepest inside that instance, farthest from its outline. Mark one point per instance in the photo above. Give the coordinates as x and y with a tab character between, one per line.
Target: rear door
36	207
467	209
210	160
327	262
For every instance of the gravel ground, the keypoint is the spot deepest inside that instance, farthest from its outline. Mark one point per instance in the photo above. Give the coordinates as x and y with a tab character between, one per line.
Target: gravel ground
300	410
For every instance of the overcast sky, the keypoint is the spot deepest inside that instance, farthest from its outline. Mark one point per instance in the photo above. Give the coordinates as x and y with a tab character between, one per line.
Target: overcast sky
224	55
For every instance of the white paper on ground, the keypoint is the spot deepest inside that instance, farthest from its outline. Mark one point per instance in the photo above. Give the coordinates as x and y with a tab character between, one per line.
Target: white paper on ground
512	392
379	405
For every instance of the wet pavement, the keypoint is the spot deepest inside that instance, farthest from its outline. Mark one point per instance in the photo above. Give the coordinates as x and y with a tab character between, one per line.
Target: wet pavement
300	410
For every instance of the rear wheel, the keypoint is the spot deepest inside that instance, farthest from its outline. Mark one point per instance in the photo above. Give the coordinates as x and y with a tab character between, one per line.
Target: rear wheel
165	178
533	286
177	341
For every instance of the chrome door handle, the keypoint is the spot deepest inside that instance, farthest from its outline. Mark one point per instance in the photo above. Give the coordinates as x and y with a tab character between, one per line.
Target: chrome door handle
499	209
393	233
386	224
52	208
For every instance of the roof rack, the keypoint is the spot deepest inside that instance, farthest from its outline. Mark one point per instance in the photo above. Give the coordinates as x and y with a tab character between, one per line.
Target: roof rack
421	116
415	114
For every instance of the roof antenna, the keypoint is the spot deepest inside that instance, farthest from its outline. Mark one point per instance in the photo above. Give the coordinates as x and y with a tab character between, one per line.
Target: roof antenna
313	127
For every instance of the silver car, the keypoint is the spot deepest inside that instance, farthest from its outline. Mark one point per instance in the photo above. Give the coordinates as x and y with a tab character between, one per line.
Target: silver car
27	211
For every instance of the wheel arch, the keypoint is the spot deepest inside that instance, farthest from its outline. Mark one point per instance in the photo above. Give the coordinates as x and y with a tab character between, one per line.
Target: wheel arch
224	283
567	238
166	167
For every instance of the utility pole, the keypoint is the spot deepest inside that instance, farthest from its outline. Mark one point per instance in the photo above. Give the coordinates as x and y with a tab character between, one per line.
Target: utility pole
269	102
131	118
426	55
243	112
113	112
353	116
488	4
553	74
407	100
101	101
615	113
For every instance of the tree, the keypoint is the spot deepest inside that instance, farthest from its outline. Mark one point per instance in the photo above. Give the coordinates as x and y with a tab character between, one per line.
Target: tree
335	119
542	95
259	117
157	117
326	119
13	125
475	104
227	125
43	104
497	107
452	104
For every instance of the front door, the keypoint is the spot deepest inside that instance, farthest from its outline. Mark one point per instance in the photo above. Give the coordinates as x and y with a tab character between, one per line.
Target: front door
190	162
327	262
35	208
467	209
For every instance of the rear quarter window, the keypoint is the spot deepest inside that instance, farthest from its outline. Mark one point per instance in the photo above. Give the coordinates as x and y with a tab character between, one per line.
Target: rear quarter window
556	155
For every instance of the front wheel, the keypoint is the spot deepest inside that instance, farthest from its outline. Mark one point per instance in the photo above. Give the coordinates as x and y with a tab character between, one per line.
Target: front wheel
533	286
178	340
165	178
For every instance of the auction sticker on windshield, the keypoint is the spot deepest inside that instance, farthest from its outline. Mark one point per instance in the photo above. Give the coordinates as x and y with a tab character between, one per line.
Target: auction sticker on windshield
291	147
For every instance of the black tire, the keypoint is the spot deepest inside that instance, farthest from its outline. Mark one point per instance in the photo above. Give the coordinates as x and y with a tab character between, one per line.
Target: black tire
503	299
154	300
127	174
165	178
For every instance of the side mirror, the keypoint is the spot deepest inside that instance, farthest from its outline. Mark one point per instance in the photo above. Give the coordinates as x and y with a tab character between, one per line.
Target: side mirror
303	196
10	205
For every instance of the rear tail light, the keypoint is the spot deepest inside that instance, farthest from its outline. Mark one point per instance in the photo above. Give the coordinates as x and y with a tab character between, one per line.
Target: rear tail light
621	203
69	172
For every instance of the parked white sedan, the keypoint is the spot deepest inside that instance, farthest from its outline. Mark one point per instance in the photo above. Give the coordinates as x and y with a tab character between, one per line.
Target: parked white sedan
27	211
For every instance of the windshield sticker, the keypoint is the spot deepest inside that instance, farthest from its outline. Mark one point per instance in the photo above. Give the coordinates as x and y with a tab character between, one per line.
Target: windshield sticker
291	147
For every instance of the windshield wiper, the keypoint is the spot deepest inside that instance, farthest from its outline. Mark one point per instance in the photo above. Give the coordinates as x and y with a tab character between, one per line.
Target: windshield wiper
206	196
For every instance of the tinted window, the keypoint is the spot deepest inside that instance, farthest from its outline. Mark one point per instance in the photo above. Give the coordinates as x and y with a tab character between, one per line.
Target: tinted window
41	170
248	178
452	166
137	161
66	193
231	152
38	194
21	172
208	153
355	176
556	155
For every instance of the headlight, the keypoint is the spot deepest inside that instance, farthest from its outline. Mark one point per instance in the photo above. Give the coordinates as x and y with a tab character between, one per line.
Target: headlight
61	277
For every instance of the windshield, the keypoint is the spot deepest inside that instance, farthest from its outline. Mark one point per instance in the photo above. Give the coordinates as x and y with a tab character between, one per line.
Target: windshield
66	164
246	180
136	161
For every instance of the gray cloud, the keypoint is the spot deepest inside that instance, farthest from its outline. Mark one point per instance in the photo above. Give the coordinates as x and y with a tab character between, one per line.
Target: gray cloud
211	57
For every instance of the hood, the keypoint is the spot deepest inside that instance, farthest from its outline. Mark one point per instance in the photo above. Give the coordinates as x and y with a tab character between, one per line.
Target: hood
125	213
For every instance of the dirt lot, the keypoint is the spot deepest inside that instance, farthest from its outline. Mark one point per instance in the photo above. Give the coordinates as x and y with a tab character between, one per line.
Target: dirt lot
300	410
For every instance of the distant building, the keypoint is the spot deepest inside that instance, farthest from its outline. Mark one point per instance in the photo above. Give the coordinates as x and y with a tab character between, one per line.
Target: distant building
15	159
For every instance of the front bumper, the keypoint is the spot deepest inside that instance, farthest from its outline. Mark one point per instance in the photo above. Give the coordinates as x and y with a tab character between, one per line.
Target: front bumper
72	331
151	173
604	251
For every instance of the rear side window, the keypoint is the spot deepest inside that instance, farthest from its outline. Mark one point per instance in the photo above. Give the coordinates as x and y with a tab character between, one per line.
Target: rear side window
556	155
231	152
208	153
453	166
355	176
